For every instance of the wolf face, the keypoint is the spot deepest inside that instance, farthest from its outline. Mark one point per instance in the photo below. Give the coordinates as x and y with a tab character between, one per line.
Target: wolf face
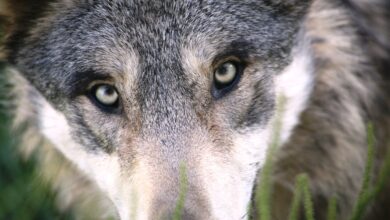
131	91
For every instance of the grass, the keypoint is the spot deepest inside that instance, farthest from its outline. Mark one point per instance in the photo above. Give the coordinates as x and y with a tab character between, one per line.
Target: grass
366	185
264	190
302	193
369	191
23	196
182	193
332	209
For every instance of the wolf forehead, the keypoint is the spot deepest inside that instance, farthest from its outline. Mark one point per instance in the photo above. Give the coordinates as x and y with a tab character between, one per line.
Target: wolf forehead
78	37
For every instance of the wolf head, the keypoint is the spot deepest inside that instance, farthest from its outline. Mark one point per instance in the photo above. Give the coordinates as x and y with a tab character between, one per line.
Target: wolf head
131	91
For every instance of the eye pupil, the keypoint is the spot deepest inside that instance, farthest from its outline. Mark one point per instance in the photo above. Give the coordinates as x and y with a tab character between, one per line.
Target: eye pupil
109	91
222	70
225	74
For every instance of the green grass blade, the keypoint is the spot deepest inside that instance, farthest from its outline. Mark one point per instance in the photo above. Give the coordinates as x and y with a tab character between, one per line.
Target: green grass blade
296	202
365	194
307	201
264	190
332	209
384	176
182	194
302	191
368	197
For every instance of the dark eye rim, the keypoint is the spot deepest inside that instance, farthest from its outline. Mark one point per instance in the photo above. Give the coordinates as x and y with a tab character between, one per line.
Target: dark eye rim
113	108
219	90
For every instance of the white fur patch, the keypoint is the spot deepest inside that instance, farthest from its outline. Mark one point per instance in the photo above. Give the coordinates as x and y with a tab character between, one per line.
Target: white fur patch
101	167
250	148
228	181
295	84
130	195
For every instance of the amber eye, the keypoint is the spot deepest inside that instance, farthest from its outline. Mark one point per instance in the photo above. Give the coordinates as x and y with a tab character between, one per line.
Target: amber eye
226	77
106	95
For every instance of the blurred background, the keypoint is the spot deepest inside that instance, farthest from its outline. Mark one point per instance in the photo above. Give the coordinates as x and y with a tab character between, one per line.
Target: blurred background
23	194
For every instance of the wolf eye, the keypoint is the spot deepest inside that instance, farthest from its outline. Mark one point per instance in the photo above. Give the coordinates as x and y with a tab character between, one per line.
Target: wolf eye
225	74
106	95
225	77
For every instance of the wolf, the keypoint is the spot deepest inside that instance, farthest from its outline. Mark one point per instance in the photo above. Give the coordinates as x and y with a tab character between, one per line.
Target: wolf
122	98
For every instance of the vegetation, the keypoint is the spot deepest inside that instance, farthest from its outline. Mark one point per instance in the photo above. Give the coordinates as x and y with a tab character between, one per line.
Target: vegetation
368	193
23	195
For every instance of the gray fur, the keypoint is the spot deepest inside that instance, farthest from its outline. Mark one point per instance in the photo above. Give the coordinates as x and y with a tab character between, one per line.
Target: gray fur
67	45
59	55
332	136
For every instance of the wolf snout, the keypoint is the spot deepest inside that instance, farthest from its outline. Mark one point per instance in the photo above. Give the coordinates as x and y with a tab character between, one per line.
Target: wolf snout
180	208
168	214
